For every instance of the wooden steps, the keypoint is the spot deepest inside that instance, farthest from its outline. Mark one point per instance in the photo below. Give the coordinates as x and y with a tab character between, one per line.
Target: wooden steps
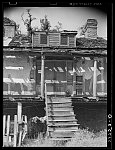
59	100
69	104
60	113
60	109
63	121
63	128
62	124
61	117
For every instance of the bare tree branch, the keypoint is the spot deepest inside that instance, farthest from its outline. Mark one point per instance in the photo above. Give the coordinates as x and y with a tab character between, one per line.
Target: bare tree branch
22	18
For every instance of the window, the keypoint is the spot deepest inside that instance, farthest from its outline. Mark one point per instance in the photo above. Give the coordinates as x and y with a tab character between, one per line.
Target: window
64	40
43	39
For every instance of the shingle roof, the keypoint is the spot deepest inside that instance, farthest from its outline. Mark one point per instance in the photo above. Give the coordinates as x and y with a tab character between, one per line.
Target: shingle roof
25	41
20	41
9	21
91	43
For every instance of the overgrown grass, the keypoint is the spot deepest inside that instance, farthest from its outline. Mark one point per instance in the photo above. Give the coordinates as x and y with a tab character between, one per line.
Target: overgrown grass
83	138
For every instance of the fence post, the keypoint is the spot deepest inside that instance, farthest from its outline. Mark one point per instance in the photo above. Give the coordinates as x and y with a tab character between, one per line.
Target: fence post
26	124
25	128
95	78
42	74
20	138
19	112
8	127
15	130
4	126
46	103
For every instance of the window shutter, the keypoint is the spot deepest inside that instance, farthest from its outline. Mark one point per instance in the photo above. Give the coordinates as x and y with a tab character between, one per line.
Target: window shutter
64	40
43	39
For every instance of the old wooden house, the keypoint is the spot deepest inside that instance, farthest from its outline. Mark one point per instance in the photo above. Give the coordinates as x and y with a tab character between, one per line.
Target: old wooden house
70	67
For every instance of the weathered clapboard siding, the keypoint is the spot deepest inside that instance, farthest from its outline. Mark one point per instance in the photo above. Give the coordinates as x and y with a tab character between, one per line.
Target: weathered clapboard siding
39	40
54	39
71	41
36	39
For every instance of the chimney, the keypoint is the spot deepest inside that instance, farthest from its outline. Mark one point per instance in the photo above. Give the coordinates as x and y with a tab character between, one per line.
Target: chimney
90	29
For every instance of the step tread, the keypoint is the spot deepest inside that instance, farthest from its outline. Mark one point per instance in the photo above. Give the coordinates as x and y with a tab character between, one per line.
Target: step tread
60	103
62	128
62	120
70	130
56	102
61	115
62	110
49	125
60	107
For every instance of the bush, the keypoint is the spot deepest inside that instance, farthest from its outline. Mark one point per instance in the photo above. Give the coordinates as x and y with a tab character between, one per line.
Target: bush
35	127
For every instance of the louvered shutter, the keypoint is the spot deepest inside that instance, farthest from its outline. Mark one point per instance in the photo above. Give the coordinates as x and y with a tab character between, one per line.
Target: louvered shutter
43	39
64	40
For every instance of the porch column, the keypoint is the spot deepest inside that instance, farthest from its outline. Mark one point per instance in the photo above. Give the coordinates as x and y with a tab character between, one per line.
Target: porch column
74	79
19	111
94	78
42	75
102	76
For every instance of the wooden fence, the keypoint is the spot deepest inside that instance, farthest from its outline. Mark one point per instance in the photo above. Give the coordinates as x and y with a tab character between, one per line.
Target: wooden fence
14	131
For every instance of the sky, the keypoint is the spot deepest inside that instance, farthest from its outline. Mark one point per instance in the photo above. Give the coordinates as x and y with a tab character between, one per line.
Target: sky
71	17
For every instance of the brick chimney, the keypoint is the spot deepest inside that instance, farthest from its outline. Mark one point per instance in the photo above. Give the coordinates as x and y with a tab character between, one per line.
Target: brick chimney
90	29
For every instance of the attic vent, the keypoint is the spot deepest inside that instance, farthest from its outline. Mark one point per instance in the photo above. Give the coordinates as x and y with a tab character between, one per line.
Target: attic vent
43	39
64	40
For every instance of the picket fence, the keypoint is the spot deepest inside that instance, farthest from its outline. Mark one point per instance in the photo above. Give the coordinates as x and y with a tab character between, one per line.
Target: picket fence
14	131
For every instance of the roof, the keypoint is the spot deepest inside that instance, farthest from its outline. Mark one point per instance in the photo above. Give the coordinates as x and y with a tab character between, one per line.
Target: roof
20	41
8	21
84	45
62	32
69	32
6	41
99	42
